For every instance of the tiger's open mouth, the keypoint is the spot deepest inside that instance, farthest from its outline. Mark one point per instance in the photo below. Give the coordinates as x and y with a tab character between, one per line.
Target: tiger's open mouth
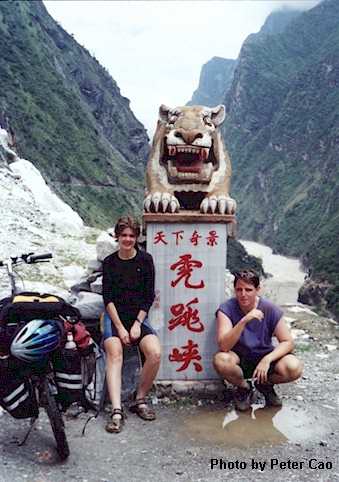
187	163
188	158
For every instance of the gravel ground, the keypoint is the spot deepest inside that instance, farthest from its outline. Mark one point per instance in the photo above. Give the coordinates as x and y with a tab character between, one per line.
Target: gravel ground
300	443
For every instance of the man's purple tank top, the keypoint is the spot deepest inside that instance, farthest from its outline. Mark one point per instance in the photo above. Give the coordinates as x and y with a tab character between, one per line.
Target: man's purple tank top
256	338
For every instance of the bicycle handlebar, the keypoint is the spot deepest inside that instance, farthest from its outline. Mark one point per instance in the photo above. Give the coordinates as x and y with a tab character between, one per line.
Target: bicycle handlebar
29	258
38	257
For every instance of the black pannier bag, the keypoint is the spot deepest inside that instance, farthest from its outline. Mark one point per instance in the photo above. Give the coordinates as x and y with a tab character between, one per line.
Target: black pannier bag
4	302
17	396
68	376
75	377
7	334
28	306
7	331
74	366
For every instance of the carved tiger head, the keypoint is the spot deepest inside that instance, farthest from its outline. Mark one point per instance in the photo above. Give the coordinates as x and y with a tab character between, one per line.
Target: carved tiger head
188	152
189	167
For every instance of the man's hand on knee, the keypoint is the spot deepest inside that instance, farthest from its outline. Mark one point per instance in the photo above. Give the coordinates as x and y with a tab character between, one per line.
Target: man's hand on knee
261	370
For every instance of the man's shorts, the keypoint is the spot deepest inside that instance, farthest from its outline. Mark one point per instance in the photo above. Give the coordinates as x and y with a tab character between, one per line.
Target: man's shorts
109	329
248	366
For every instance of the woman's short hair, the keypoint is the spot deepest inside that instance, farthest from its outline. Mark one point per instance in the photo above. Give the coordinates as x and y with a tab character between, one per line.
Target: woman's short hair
127	222
248	276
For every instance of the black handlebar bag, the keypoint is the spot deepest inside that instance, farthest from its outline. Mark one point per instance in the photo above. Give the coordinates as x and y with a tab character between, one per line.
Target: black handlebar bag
28	306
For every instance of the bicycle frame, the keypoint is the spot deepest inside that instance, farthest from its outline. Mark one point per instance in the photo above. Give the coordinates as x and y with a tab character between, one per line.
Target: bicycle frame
11	275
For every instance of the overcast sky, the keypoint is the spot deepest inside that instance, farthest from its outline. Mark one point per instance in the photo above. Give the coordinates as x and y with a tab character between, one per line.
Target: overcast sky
155	49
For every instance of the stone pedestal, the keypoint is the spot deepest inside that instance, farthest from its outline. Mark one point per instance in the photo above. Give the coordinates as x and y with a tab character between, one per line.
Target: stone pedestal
189	252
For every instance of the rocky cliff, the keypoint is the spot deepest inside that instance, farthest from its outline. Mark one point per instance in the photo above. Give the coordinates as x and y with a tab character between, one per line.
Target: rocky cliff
34	219
282	133
277	22
215	80
69	116
217	74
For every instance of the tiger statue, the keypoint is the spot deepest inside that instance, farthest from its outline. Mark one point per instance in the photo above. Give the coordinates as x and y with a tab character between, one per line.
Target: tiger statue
189	167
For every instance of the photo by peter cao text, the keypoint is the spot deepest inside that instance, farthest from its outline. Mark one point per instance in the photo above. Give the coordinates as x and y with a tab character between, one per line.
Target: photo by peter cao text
271	464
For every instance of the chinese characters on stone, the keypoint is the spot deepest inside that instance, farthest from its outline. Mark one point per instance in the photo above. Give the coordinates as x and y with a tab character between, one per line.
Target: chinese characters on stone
189	353
194	239
186	315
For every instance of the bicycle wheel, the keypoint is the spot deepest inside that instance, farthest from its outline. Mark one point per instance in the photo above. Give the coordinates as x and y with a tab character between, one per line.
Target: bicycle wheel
56	422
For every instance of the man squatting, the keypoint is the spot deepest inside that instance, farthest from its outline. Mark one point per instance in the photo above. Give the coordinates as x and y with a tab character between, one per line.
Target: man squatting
245	326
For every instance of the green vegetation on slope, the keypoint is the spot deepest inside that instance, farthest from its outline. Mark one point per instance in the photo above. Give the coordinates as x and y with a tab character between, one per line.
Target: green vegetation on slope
69	116
282	133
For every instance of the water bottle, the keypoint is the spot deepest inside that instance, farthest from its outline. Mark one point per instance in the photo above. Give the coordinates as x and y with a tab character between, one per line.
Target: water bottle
70	343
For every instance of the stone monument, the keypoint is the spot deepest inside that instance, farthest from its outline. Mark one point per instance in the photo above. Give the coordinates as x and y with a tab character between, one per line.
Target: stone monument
188	214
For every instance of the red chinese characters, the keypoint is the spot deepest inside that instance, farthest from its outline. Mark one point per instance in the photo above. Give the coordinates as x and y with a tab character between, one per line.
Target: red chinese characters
212	238
186	270
186	316
185	267
195	238
178	236
159	237
189	354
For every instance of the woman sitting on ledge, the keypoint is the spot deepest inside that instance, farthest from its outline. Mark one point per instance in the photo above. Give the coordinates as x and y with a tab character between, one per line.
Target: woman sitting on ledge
128	292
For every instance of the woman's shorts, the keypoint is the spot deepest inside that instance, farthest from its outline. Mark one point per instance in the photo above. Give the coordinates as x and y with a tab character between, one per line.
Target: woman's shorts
109	329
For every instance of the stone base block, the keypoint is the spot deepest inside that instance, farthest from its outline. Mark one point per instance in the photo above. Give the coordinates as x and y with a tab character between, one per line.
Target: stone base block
202	389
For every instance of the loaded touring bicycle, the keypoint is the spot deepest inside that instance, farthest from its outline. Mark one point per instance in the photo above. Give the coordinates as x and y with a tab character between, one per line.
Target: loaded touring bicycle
46	354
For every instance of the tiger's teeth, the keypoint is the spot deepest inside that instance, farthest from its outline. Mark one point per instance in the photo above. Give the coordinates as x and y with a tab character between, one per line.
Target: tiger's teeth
173	171
187	175
187	149
204	152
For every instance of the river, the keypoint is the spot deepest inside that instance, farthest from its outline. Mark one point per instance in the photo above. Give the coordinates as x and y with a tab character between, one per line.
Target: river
287	276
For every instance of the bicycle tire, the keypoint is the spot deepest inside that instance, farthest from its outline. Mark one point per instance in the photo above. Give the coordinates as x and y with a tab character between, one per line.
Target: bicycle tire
57	423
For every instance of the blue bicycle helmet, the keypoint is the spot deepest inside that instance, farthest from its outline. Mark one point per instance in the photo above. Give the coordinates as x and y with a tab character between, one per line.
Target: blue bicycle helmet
36	340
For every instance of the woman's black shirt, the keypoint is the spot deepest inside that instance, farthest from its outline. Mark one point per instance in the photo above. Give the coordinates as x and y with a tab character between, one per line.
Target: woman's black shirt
129	284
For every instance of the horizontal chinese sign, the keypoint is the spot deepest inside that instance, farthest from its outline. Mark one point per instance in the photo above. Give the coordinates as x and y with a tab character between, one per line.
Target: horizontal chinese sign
190	263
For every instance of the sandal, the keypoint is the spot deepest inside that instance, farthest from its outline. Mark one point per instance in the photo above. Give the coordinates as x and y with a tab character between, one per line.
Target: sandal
115	424
141	408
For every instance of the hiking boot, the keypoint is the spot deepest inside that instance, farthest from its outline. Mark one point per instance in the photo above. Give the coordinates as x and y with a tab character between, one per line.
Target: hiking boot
242	399
271	397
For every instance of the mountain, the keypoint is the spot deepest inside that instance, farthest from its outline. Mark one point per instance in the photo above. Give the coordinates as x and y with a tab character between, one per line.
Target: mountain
69	117
277	22
282	133
215	79
65	113
216	75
